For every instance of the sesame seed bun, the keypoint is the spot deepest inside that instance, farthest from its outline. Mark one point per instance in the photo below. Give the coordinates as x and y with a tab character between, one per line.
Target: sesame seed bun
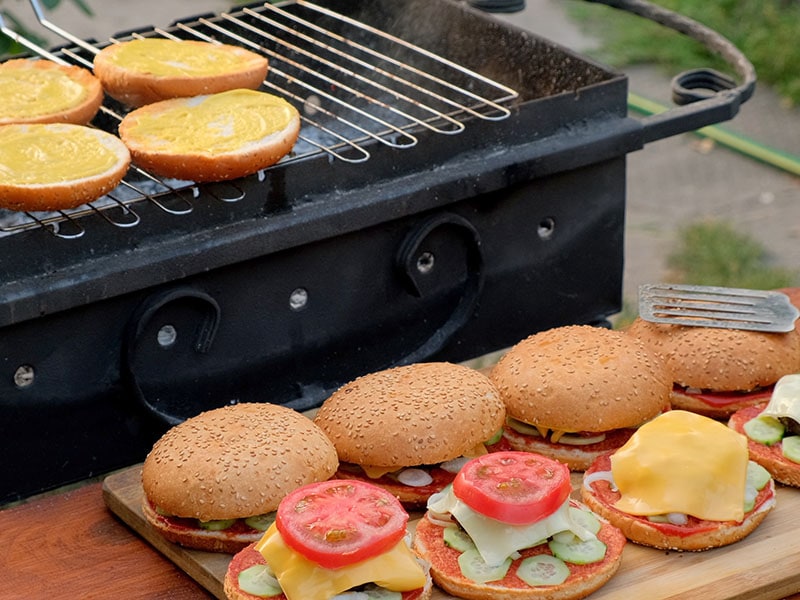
419	414
232	463
719	360
580	378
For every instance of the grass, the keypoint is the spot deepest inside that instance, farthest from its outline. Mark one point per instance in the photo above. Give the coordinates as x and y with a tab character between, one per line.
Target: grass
766	31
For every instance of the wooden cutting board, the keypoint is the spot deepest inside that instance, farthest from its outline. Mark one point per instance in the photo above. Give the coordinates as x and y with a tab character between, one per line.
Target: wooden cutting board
763	566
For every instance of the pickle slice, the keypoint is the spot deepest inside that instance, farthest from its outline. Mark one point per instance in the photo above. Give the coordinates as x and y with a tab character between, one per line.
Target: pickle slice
261	522
217	525
542	569
457	539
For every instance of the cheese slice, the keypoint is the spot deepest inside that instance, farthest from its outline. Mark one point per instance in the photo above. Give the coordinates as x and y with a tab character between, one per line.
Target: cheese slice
495	540
682	462
302	579
785	400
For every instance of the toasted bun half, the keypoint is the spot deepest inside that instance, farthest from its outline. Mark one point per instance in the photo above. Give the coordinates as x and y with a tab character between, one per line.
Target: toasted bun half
211	138
43	91
55	166
696	535
769	457
582	581
233	462
419	414
249	557
141	71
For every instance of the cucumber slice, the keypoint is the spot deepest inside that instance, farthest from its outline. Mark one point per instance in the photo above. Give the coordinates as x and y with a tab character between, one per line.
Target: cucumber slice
475	568
542	569
522	427
495	438
261	522
577	551
457	539
757	476
766	430
791	448
217	525
259	580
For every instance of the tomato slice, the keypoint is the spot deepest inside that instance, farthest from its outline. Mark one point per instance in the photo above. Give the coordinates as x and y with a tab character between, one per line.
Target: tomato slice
513	487
340	522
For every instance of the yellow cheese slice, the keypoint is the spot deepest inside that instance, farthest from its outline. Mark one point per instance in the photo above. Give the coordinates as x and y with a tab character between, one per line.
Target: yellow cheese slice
301	579
785	400
376	472
682	462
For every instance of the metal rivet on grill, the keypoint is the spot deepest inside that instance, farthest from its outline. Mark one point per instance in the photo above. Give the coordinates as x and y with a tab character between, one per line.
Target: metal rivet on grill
425	262
298	299
24	376
167	336
546	228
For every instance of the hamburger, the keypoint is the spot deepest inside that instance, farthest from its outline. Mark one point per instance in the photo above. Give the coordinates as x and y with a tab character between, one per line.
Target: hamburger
573	393
330	538
682	482
773	431
507	528
214	481
409	429
718	371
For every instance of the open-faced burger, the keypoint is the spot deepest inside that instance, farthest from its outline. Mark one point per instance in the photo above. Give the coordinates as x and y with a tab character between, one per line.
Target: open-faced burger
331	538
507	528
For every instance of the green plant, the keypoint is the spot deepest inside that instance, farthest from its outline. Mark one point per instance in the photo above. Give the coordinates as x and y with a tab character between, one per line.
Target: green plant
9	46
766	31
714	253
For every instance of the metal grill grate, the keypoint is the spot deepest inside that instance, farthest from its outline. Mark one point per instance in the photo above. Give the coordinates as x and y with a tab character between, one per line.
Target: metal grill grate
354	85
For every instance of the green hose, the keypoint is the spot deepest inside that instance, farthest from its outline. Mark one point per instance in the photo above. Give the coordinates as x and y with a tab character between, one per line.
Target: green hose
735	141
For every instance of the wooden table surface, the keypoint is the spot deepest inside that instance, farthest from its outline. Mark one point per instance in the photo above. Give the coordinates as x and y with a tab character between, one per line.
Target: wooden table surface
70	545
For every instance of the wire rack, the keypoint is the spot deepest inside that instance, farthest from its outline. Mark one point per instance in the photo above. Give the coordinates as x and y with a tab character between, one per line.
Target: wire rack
355	86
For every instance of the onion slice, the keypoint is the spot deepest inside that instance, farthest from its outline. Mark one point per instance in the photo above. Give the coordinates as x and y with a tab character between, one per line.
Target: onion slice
590	478
414	477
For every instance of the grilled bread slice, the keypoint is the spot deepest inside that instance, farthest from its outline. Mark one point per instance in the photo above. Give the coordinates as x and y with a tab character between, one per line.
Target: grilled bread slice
55	166
43	91
214	137
140	71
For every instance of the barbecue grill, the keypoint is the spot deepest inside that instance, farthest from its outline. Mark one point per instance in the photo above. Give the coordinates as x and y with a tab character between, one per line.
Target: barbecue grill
458	184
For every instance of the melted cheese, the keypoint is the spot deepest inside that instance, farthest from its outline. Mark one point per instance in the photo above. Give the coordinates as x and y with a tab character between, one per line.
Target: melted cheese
785	400
170	58
213	124
682	462
43	154
496	541
302	579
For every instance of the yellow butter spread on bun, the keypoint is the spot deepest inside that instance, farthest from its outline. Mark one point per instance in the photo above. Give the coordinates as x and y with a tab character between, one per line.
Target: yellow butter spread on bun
146	70
682	462
42	91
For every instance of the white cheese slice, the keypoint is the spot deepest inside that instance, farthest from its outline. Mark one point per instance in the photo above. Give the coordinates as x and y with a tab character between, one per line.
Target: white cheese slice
495	540
785	400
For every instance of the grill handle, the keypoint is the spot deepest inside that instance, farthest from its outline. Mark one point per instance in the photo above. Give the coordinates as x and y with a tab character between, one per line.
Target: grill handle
704	95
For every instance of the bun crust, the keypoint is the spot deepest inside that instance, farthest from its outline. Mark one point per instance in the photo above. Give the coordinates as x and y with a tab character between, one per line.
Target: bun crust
43	91
216	137
419	414
137	85
582	378
721	359
643	532
235	462
769	457
81	164
429	545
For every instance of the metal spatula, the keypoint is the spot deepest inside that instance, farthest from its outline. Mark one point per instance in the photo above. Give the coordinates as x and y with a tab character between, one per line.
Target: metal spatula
710	306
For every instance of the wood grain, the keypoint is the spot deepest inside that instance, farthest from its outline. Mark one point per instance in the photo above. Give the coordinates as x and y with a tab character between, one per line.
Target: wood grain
763	566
